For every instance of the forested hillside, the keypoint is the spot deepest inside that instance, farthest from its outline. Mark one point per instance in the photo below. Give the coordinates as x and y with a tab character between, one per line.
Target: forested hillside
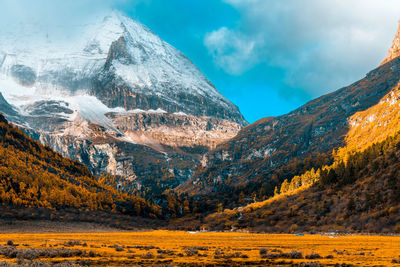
32	175
358	192
271	150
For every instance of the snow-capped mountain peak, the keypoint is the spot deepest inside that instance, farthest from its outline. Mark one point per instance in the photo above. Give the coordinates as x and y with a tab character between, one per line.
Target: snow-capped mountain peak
109	53
113	95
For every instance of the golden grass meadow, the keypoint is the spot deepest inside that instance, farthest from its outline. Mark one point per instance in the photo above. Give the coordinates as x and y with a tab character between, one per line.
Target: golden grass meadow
170	248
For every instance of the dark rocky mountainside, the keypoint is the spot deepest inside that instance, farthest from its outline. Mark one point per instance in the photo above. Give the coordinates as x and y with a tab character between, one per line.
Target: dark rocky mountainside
265	153
319	126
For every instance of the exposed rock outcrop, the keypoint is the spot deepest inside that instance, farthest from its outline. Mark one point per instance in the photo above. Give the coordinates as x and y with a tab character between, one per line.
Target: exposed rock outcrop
253	158
394	51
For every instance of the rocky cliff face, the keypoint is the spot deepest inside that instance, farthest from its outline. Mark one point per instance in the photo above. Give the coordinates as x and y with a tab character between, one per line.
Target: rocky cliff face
142	72
394	51
116	97
174	130
143	146
253	159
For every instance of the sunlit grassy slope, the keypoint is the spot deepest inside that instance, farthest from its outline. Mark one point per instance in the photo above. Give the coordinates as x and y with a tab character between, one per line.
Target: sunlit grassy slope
360	191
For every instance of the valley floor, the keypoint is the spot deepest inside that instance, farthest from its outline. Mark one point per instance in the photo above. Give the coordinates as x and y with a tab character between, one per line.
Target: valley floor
49	227
168	248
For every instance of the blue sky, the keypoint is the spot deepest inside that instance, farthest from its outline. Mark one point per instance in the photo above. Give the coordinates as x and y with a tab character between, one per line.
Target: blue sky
185	25
266	56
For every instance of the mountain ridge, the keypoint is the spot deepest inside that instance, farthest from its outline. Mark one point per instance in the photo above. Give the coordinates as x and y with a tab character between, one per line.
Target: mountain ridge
266	153
299	132
151	67
394	51
77	99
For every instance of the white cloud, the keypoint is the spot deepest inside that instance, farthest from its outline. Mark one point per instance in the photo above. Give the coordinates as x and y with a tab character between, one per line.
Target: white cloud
319	45
231	50
52	13
60	19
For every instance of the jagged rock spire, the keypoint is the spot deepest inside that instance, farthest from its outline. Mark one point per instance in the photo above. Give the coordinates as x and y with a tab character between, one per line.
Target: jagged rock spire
394	51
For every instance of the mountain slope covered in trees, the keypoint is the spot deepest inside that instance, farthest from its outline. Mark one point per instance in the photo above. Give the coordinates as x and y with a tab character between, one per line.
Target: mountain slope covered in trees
260	149
360	192
267	152
33	175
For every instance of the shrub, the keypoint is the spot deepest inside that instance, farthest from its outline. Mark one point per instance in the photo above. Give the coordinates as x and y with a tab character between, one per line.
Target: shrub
148	255
200	248
339	252
218	254
28	254
85	262
73	243
263	251
292	255
313	256
191	251
166	252
143	247
237	255
309	264
12	252
118	248
271	256
267	254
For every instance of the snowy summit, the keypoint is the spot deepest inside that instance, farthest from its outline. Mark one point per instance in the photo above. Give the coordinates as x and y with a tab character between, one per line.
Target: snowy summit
116	64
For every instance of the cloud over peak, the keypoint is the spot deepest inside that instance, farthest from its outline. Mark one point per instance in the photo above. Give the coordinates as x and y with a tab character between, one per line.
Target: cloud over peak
231	51
318	45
